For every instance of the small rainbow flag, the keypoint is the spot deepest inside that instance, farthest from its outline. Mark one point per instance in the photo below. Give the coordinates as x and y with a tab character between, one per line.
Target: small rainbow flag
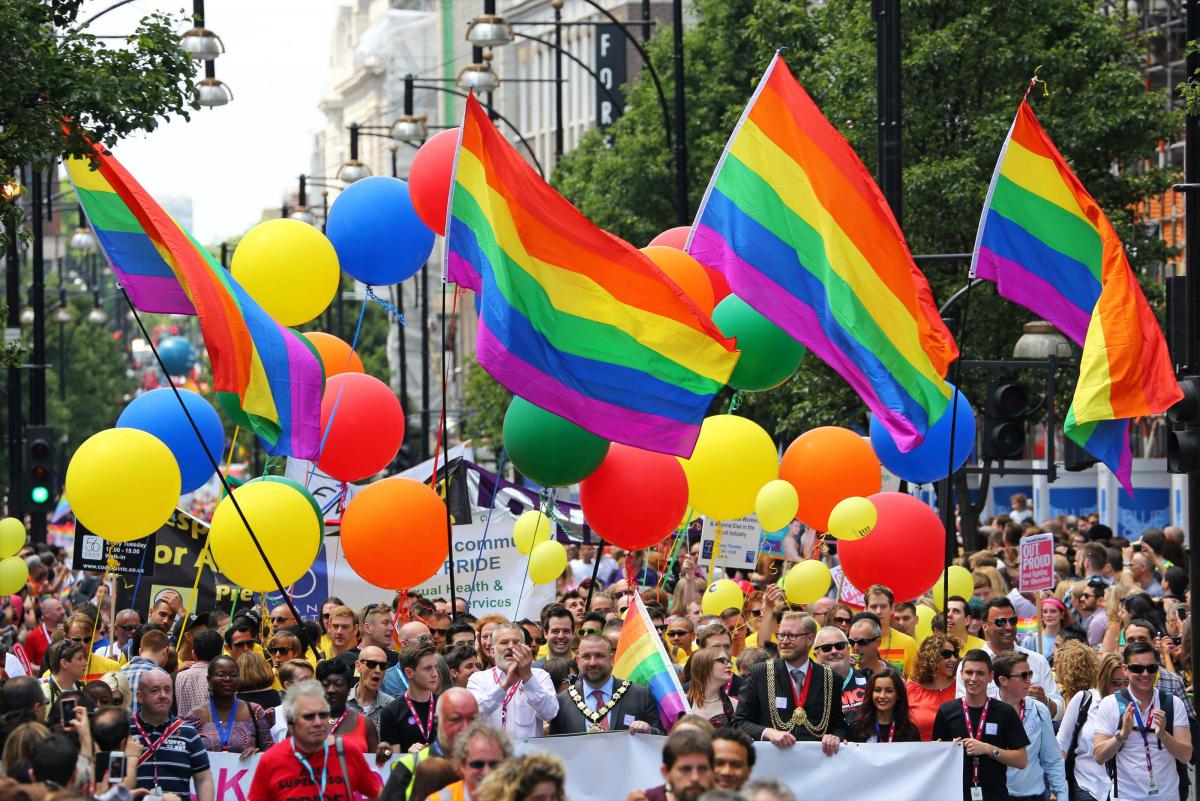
1027	627
801	232
1049	247
642	658
572	318
272	371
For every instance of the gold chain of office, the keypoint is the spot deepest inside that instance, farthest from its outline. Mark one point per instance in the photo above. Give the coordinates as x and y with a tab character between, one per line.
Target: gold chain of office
596	716
799	714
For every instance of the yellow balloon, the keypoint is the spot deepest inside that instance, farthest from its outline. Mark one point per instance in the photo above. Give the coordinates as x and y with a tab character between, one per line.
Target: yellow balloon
12	536
961	584
853	518
283	520
924	622
531	529
733	458
123	484
13	575
547	561
722	594
289	267
776	504
806	581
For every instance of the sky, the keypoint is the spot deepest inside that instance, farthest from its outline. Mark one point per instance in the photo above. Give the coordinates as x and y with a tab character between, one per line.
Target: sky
236	160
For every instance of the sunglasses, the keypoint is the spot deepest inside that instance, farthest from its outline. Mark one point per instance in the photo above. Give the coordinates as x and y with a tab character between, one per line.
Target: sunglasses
281	621
586	632
126	627
660	628
948	654
243	644
830	647
371	664
1023	676
280	650
724	660
754	612
312	716
440	632
1138	670
841	621
77	640
540	640
1004	622
678	633
859	643
480	764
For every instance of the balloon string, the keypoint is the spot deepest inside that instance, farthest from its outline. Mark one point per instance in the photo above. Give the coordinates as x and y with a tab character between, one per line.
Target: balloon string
387	305
735	402
487	522
712	565
229	459
680	538
196	588
337	401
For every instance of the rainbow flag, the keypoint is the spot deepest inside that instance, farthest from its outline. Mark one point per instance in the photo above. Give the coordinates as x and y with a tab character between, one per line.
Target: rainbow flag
273	371
642	658
1048	246
572	318
801	232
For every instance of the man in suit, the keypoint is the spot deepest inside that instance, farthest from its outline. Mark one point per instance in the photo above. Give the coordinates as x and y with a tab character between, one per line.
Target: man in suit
601	702
792	698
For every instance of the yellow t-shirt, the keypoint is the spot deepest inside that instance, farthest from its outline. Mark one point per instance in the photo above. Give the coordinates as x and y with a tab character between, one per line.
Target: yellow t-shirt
971	644
899	650
752	639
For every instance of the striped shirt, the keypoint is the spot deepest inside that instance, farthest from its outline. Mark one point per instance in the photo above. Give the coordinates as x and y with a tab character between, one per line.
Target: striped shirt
173	763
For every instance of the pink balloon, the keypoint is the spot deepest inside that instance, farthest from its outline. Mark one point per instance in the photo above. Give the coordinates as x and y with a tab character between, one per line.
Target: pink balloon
905	552
672	237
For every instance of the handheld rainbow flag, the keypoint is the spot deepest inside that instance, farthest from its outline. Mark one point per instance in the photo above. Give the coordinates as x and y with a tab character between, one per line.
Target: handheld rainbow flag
795	223
642	658
1048	246
572	318
273	371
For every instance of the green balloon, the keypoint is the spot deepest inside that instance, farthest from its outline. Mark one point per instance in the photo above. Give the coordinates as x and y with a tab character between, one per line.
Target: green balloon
769	354
548	449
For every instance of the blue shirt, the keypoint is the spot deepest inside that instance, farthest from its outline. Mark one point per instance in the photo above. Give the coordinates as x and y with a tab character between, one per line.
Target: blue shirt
394	682
1045	767
606	691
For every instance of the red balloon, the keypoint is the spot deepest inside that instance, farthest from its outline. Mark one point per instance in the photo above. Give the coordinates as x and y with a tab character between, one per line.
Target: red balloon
429	178
905	551
720	286
367	430
672	238
635	498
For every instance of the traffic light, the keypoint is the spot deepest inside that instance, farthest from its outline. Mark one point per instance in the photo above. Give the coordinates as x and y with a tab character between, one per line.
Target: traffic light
1004	421
40	475
1183	437
1075	458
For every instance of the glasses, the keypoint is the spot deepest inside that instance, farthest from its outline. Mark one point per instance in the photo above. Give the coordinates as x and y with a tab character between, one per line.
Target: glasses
754	612
325	616
724	660
830	647
1138	670
480	764
281	620
841	621
440	632
660	627
1119	682
280	650
678	633
225	676
540	640
371	664
586	632
312	716
127	627
77	640
1004	622
242	645
1023	676
860	642
948	654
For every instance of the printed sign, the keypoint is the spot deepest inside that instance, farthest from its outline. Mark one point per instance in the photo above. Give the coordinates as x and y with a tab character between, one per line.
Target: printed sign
738	547
612	73
1037	563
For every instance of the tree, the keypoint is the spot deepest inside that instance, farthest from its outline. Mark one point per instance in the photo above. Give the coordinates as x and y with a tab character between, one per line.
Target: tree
52	72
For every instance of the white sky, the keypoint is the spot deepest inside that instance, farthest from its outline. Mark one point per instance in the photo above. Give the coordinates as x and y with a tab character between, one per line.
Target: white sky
236	160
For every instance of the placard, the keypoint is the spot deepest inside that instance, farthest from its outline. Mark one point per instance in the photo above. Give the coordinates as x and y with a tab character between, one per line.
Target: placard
738	548
1037	563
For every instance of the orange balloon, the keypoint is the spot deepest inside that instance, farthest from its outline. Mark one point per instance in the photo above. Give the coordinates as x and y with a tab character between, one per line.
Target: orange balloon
336	355
394	533
827	465
685	271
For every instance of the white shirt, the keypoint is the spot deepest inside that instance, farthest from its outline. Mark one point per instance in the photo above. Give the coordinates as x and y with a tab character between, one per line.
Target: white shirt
581	570
280	729
1133	783
1043	677
533	702
1091	775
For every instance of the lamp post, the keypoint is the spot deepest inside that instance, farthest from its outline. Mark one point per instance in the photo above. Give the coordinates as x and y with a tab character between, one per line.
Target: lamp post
12	274
353	169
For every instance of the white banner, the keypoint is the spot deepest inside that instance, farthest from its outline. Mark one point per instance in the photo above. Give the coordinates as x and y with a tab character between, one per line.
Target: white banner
895	771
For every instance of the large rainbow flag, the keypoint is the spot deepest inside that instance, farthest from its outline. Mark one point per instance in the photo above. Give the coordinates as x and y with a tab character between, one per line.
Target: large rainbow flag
642	658
802	233
1049	247
572	318
273	371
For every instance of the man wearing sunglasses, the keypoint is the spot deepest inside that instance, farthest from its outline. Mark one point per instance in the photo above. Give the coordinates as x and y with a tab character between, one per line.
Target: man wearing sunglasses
1000	633
832	649
1146	730
514	696
366	697
1045	768
1088	597
1140	630
681	636
477	753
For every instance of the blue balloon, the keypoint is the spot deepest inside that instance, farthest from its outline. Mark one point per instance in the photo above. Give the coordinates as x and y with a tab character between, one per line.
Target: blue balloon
377	234
177	355
157	412
929	461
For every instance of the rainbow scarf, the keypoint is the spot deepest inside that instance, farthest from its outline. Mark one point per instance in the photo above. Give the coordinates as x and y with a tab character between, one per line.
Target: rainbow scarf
801	232
642	658
572	318
1049	247
271	370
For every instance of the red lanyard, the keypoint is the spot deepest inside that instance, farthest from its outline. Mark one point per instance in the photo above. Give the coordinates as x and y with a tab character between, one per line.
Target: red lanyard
879	732
975	734
1021	711
425	729
803	696
152	747
336	723
512	691
1143	728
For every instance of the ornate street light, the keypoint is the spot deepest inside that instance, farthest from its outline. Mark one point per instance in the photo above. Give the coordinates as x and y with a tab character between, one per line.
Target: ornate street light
212	92
199	42
1040	341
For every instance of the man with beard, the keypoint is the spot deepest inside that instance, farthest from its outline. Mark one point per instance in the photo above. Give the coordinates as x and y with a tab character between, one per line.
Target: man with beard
832	650
791	698
514	696
687	769
559	625
600	702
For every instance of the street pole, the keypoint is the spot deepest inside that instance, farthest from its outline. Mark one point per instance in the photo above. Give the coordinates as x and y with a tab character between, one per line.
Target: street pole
558	87
425	362
37	299
400	287
16	492
682	212
1192	291
888	108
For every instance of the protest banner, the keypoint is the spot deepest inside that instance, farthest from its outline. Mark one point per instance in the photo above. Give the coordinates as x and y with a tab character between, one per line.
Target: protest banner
738	547
1037	563
895	771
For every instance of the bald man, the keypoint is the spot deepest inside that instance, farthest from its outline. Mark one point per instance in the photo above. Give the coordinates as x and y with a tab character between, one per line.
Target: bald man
394	681
832	649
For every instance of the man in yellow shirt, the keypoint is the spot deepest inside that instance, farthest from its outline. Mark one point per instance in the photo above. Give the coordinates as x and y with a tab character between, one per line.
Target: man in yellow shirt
681	638
895	647
80	630
957	618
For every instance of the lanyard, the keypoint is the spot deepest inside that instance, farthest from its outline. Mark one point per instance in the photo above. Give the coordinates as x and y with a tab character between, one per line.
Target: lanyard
803	695
975	734
1021	711
512	691
312	774
426	729
223	732
1143	728
152	747
879	732
334	724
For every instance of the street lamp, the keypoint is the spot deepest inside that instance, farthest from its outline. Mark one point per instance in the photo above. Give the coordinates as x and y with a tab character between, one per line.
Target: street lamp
1041	340
212	92
97	316
489	30
478	77
353	170
409	127
199	42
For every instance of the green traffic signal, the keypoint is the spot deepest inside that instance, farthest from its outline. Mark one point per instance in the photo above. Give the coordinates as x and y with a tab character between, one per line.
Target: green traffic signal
39	494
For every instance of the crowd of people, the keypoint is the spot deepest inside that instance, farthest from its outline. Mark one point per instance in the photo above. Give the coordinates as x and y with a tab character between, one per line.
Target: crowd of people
417	698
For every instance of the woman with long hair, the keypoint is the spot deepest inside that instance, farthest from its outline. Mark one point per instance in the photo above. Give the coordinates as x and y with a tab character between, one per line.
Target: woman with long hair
19	748
1075	666
533	777
1053	613
1087	779
932	683
883	716
228	723
711	670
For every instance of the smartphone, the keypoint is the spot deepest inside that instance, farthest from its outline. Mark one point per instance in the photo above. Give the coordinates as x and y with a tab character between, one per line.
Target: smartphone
116	767
68	710
1137	546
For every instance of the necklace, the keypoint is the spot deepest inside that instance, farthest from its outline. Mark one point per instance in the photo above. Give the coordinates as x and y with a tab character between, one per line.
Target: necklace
596	716
799	714
334	723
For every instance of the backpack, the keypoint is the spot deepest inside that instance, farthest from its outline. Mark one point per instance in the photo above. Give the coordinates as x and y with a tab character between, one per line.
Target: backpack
1166	702
1085	706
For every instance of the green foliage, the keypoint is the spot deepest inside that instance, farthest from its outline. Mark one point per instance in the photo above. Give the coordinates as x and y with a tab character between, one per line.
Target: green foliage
485	403
51	72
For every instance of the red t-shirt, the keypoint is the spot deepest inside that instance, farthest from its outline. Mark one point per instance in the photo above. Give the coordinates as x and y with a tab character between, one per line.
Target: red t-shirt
280	775
36	645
